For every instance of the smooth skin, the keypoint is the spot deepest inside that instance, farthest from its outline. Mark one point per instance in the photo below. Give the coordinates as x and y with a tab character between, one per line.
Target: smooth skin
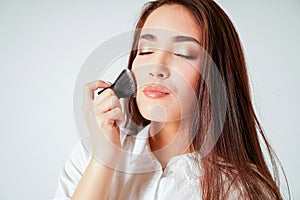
102	112
166	136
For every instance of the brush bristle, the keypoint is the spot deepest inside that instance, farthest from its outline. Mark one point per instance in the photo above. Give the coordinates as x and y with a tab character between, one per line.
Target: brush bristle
124	86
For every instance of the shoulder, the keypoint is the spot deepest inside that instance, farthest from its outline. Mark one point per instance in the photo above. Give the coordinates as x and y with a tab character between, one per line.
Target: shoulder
78	160
81	155
72	171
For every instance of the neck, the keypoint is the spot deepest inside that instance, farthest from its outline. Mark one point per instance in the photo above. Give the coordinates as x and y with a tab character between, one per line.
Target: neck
168	140
161	134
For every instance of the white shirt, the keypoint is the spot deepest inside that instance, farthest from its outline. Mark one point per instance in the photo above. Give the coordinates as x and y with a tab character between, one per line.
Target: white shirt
179	180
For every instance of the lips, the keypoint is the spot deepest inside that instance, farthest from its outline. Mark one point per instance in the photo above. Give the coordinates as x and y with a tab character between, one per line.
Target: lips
155	91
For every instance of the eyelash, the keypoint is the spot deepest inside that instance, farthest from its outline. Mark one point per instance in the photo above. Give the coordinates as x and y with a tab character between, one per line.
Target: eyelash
145	53
184	56
176	54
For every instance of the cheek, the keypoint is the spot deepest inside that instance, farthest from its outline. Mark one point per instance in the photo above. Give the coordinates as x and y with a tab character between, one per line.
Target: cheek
194	80
190	75
137	62
188	89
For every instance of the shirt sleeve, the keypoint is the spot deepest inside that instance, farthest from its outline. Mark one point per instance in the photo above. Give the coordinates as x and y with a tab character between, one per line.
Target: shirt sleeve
74	168
72	172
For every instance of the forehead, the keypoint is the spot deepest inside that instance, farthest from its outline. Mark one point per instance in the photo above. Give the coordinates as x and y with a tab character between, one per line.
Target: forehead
175	18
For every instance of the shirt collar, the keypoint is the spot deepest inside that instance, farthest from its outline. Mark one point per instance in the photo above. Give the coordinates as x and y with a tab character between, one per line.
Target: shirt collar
140	143
189	161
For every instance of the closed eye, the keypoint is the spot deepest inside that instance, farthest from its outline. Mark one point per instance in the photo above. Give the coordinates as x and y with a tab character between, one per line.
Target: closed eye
185	56
145	52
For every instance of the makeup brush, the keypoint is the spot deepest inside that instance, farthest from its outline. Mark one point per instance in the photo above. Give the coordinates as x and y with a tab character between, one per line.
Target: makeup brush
124	86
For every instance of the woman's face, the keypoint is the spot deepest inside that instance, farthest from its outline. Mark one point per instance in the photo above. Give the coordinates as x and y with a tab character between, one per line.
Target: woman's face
167	64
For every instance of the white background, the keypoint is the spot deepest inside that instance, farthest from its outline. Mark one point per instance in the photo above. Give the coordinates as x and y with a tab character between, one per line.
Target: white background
43	44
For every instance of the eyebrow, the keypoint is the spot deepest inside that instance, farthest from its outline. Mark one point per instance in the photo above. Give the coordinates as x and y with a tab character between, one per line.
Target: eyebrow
148	37
180	38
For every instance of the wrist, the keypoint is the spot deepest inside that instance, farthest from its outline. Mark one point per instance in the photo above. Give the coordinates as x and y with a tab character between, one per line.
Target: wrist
109	159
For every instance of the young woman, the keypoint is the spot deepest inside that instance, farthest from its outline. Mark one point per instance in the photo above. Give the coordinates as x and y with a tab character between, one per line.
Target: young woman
159	153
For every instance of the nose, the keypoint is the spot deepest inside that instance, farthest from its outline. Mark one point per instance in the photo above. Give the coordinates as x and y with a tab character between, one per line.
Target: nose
158	71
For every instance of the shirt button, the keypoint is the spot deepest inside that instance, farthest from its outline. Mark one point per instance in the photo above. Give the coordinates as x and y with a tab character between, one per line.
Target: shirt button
168	173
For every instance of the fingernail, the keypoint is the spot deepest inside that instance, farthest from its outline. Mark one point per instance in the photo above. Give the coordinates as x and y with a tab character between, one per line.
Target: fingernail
107	82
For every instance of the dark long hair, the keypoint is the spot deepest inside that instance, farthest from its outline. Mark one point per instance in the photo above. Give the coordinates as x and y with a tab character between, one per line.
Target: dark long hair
244	165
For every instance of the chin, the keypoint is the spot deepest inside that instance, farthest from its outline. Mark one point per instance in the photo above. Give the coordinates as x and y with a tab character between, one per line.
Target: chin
158	113
161	109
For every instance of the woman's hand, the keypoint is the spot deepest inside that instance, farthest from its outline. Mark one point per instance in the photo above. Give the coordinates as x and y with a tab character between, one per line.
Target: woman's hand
103	113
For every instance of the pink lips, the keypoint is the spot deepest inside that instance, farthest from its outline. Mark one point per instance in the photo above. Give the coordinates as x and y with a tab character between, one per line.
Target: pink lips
155	91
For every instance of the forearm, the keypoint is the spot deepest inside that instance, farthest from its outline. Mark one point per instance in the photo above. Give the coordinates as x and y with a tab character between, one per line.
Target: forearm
95	182
101	114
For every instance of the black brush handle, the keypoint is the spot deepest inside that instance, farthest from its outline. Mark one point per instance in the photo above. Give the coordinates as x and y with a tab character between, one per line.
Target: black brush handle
117	93
124	86
111	87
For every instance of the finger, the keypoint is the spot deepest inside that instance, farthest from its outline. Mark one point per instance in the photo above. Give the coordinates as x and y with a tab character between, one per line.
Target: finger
107	104
108	93
108	119
90	87
115	114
